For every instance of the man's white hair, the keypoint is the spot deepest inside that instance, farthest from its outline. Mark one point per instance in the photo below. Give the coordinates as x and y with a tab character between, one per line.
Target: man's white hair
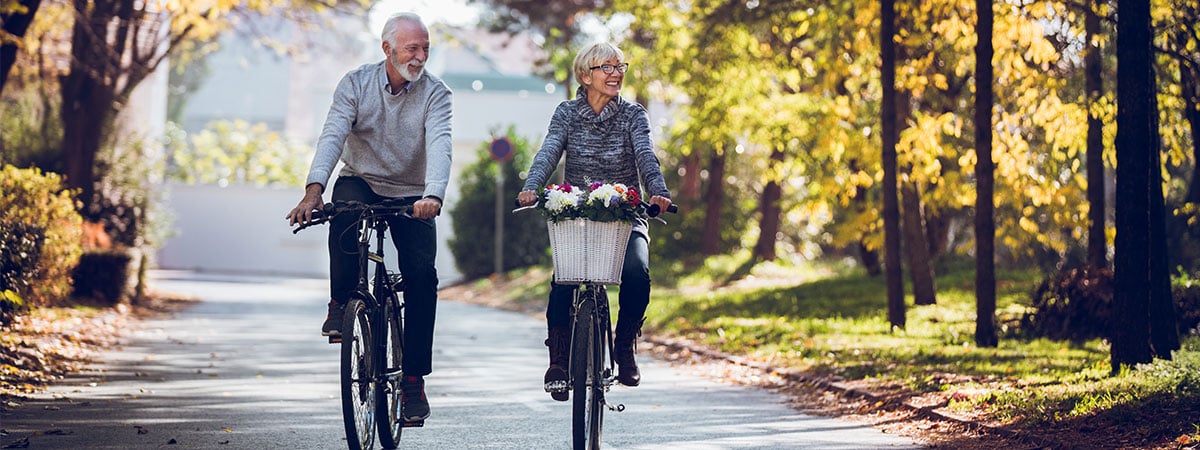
393	22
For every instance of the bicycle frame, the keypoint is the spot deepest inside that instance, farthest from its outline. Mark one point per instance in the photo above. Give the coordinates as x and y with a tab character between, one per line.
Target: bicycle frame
375	290
372	339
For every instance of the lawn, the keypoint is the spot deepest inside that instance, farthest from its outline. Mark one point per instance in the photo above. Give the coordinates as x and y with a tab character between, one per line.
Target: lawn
830	321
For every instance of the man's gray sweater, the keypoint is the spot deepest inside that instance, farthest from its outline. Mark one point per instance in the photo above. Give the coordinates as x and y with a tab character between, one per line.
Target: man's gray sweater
400	144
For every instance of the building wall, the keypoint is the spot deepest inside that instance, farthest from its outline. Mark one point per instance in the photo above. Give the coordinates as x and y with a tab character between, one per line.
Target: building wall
241	228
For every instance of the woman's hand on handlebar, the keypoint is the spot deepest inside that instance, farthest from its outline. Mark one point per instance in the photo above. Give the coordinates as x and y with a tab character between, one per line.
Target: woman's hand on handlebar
302	213
662	202
526	198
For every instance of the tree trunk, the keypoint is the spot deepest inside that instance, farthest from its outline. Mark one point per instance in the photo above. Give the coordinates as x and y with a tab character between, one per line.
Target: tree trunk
87	95
689	185
985	224
714	201
1136	140
891	202
1097	251
770	211
1164	332
868	257
919	264
937	231
15	24
1191	93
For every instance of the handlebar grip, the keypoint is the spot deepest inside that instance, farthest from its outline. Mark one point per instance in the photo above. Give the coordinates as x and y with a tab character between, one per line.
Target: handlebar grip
654	210
319	216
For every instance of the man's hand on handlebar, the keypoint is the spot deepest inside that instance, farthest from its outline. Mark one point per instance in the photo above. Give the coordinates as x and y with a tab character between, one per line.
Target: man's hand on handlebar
302	213
427	208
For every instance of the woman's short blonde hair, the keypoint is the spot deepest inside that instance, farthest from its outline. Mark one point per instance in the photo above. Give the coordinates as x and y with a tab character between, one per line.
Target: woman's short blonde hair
595	55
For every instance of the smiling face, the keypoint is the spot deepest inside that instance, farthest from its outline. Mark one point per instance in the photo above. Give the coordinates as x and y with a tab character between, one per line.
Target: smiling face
407	51
607	84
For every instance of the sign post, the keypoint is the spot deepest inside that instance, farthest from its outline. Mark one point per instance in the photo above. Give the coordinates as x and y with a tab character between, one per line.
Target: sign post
502	150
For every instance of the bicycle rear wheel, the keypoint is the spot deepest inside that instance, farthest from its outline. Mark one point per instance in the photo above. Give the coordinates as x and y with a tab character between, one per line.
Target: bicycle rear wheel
358	384
586	384
388	391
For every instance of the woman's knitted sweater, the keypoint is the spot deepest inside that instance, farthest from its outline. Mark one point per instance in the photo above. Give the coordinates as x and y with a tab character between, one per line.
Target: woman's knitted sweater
610	147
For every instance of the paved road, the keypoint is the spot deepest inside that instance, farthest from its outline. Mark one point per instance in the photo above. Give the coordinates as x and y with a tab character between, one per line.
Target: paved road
245	369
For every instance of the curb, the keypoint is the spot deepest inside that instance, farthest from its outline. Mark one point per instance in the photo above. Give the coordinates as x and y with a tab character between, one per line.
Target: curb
797	376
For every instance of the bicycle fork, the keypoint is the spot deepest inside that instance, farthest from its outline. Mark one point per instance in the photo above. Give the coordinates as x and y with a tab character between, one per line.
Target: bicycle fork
607	372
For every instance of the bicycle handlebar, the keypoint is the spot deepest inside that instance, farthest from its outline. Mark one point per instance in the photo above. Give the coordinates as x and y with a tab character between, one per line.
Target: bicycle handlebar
386	207
652	210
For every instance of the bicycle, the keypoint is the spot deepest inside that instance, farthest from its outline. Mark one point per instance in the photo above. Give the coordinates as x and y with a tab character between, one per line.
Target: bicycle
371	361
591	368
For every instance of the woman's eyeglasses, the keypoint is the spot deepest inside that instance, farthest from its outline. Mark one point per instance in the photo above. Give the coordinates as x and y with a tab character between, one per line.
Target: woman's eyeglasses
609	68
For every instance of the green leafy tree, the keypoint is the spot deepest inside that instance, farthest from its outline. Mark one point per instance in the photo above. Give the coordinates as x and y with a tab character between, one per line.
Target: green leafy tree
117	44
238	152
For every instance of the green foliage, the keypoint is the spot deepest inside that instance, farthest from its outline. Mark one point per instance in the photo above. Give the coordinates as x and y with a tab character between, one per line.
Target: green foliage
32	132
526	242
1186	292
102	276
33	197
233	152
128	200
20	250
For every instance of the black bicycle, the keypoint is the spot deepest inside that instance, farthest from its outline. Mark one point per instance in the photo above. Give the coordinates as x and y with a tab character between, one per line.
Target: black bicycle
591	368
372	338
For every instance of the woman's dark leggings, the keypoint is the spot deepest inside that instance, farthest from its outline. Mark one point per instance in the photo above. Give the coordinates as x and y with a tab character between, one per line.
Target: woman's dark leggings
634	294
416	247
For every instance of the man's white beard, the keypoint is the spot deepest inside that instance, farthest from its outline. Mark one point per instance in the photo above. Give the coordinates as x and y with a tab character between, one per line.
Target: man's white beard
404	70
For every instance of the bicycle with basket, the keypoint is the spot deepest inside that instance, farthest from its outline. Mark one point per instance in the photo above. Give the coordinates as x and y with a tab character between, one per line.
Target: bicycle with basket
590	254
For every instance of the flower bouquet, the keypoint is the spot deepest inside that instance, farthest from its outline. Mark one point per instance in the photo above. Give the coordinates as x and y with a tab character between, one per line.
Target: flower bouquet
589	230
601	202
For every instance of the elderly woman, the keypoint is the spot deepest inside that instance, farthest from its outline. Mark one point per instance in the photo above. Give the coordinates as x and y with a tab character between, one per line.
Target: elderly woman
605	138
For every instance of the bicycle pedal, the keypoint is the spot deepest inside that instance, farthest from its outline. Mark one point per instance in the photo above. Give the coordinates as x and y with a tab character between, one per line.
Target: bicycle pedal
335	339
415	424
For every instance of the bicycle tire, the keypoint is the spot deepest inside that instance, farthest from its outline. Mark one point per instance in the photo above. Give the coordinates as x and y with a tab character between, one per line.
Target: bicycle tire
391	425
358	390
584	370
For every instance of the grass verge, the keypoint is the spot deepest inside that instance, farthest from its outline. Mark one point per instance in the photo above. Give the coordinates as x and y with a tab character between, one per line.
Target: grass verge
830	321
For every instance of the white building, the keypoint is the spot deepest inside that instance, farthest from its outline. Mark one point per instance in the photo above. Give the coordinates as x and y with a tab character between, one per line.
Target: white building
242	229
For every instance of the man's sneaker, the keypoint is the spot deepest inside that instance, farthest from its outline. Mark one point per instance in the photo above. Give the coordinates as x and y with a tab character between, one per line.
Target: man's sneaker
333	321
412	397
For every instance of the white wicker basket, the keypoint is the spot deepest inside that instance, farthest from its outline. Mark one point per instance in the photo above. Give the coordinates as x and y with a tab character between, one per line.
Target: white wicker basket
587	251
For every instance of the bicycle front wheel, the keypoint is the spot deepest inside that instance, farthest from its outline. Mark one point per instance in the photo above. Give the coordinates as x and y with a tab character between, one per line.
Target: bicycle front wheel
388	391
358	383
587	386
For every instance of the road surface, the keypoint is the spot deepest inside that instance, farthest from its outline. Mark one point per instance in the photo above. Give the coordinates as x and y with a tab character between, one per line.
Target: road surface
245	368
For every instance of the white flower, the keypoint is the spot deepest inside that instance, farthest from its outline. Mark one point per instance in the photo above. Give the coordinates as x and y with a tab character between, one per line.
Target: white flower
558	201
605	193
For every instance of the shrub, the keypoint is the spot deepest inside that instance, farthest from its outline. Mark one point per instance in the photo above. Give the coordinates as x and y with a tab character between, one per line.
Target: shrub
237	152
20	248
525	242
32	197
1186	292
102	276
1074	305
